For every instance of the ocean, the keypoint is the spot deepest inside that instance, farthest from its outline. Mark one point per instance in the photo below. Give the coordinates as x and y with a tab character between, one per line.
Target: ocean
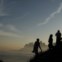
15	57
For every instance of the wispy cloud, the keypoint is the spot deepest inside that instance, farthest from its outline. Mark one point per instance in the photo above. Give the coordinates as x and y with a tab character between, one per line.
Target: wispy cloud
2	12
52	15
9	30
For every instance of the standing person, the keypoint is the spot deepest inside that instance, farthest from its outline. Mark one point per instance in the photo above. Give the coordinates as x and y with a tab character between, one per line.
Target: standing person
50	42
58	37
36	46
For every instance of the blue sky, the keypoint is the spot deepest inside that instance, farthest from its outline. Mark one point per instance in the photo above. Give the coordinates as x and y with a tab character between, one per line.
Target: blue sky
22	21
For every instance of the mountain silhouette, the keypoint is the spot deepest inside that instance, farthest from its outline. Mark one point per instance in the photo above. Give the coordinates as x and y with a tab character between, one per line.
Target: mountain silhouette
50	55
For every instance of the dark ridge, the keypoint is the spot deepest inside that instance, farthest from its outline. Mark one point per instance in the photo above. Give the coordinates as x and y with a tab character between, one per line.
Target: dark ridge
1	61
52	55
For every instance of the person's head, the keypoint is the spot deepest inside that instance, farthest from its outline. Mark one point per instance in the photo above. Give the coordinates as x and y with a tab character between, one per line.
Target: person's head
51	35
58	31
38	39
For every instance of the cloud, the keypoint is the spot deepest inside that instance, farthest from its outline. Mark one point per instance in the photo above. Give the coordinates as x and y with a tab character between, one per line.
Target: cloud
2	12
9	30
9	34
52	15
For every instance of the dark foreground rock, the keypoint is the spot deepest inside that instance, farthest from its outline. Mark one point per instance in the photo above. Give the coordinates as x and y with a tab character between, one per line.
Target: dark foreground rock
1	61
54	55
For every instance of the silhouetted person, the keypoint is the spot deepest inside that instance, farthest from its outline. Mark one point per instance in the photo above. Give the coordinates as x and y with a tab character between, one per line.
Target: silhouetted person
50	45
58	37
36	46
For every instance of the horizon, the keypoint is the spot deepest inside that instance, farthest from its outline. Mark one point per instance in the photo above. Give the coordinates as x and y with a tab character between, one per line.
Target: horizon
23	21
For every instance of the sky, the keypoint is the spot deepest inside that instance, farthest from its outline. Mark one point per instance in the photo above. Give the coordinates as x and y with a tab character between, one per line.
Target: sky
22	21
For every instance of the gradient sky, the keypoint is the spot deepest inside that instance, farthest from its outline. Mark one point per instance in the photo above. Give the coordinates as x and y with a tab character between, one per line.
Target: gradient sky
22	21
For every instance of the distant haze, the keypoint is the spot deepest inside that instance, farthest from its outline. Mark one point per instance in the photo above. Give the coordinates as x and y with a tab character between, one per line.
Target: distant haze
28	48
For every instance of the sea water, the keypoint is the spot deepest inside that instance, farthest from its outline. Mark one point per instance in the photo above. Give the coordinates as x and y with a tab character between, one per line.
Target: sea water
15	57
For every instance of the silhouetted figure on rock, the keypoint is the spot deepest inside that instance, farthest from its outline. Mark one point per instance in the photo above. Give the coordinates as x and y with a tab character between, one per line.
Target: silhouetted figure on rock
58	37
36	46
50	45
53	54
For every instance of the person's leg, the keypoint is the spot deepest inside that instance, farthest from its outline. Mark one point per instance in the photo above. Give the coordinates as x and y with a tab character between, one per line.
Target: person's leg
36	51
